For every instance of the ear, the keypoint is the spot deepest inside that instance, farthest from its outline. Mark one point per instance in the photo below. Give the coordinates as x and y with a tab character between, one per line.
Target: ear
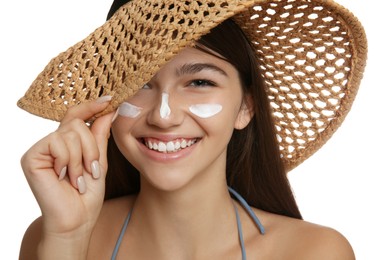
246	113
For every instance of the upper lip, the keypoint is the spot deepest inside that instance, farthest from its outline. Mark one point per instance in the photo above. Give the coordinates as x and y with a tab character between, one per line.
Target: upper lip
167	138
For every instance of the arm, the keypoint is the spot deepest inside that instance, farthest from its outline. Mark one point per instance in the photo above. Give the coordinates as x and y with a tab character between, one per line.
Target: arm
331	245
66	173
31	239
323	243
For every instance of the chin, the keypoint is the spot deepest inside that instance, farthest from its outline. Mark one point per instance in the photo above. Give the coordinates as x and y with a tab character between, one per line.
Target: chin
167	181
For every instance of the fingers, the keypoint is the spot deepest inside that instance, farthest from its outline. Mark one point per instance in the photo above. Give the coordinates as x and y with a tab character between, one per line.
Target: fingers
101	132
58	150
86	111
81	145
85	149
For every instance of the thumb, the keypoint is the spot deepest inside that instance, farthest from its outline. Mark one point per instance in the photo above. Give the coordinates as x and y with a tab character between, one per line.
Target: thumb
101	131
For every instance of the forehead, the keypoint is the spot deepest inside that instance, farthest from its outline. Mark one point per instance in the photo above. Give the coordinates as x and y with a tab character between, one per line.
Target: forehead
193	56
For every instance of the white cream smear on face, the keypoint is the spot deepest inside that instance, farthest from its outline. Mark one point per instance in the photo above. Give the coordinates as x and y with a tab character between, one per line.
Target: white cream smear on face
128	110
205	110
165	110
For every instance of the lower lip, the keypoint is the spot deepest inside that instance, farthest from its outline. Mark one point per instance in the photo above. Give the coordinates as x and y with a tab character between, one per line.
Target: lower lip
166	157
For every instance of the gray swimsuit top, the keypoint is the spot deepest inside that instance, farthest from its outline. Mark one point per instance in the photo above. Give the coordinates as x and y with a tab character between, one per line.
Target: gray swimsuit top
243	203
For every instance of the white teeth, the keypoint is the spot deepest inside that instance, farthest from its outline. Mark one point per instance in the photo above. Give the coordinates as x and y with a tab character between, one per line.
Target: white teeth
162	147
177	145
171	146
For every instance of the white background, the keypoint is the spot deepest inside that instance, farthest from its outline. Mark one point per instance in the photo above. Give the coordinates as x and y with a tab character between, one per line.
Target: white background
344	185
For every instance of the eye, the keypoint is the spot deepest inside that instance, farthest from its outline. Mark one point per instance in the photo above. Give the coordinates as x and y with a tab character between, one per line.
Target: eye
146	86
201	83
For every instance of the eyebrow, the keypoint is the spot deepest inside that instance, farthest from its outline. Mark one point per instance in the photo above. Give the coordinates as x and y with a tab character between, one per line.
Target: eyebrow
192	68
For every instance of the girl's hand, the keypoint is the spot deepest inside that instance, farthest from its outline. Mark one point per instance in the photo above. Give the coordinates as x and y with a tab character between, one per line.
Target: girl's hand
66	171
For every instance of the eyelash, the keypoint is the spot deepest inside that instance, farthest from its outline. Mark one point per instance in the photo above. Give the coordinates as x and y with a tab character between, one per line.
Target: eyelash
201	83
197	83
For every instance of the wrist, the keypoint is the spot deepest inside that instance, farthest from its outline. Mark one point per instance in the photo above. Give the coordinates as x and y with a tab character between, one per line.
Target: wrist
64	246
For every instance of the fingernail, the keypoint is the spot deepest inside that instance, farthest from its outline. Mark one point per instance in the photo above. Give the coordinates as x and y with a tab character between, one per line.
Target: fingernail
95	169
62	173
115	115
82	186
103	99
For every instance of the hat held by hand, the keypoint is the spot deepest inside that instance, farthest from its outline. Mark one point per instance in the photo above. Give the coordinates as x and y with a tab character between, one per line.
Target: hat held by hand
312	54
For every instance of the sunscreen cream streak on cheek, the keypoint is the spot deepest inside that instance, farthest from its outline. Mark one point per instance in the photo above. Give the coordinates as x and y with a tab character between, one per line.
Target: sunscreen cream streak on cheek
205	110
128	110
165	110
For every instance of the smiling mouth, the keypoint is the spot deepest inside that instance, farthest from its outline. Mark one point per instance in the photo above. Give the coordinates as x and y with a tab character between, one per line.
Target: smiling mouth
170	146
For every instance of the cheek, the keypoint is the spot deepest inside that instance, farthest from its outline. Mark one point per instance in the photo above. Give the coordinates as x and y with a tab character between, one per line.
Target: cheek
117	128
215	118
205	110
129	110
124	123
121	131
216	111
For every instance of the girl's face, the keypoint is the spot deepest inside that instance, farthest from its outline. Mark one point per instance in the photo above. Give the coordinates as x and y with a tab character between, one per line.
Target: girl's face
177	127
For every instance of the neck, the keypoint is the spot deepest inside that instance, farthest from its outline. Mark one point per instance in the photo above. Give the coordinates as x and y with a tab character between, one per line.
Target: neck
185	222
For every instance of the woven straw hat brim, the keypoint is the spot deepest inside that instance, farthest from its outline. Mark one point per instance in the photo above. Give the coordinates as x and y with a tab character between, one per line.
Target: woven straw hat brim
312	56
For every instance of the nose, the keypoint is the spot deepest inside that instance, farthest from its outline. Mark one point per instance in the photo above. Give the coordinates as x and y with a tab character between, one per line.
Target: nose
166	111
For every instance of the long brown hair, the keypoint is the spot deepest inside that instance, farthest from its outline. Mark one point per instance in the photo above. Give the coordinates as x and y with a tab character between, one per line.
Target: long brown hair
254	166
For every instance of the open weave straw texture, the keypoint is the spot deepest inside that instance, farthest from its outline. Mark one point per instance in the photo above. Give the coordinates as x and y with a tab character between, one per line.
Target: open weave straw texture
312	55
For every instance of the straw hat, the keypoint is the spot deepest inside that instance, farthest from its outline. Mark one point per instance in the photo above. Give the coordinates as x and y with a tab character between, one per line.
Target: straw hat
312	54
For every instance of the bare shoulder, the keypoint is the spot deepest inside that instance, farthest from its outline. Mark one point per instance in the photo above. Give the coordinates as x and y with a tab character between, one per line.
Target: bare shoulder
118	205
312	241
104	234
108	227
30	241
299	239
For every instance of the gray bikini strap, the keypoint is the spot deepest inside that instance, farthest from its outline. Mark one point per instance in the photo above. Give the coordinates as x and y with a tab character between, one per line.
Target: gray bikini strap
245	205
123	230
240	199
